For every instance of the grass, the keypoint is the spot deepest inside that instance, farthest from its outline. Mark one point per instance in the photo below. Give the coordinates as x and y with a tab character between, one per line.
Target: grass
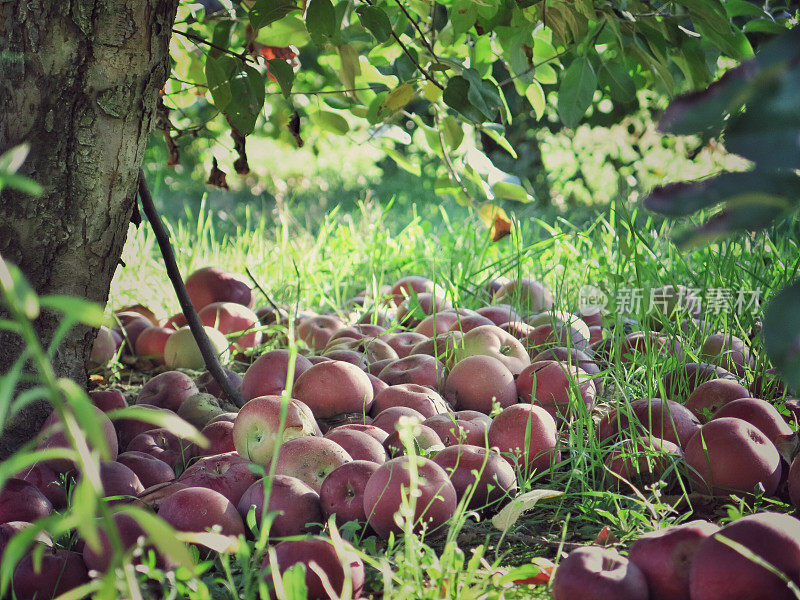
374	245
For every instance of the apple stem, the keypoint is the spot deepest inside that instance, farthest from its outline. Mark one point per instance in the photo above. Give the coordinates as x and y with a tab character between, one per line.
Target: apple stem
174	274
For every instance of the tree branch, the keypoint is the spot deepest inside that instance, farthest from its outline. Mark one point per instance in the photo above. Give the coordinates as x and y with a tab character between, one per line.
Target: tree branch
196	38
416	26
196	326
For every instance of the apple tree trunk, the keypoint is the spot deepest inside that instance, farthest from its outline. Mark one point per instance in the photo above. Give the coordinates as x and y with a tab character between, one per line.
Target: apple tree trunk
79	80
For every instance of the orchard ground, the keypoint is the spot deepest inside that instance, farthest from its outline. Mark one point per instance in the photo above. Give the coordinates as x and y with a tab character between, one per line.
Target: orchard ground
622	254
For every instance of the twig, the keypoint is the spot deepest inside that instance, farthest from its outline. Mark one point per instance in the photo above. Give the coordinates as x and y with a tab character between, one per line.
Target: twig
196	38
416	26
448	162
260	289
410	56
196	326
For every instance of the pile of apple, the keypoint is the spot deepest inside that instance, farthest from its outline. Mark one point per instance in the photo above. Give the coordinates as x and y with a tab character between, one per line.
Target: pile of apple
480	397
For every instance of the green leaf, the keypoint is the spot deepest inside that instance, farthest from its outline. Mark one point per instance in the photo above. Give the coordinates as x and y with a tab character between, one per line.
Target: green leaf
221	36
453	132
511	191
375	20
219	70
742	8
330	121
351	68
294	582
23	184
265	12
321	21
763	26
749	213
576	91
79	309
456	97
496	133
17	290
403	162
511	512
782	333
483	94
247	99
535	95
398	97
617	79
283	73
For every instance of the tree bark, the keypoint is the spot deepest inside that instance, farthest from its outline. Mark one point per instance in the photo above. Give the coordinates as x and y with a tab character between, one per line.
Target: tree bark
79	81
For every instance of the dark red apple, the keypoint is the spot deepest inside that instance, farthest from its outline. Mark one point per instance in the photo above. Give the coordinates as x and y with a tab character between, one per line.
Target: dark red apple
389	418
200	509
310	459
206	383
490	340
530	295
722	572
358	444
212	284
597	573
316	331
731	455
420	369
680	382
151	342
342	492
518	423
162	444
727	351
54	436
9	530
233	318
229	474
129	427
709	397
129	531
431	495
665	420
404	342
150	470
107	400
167	390
333	388
267	375
560	389
644	461
58	572
220	439
479	383
48	481
665	556
422	399
764	416
319	554
297	504
375	432
489	477
119	480
425	440
22	501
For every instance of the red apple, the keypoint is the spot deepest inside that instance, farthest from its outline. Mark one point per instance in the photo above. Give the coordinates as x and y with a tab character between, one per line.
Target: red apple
104	348
333	388
665	556
358	444
663	419
529	294
404	342
316	331
151	343
442	347
233	318
561	389
257	430
490	340
597	573
415	368
129	531
267	375
57	572
432	496
518	423
722	572
200	509
167	390
54	436
310	459
709	397
422	399
212	284
48	482
107	400
228	473
478	383
206	383
129	427
162	444
320	554
426	440
499	313
413	284
389	418
297	504
342	492
764	416
483	471
9	530
727	351
220	438
22	501
150	470
374	432
731	455
119	480
644	460
683	380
